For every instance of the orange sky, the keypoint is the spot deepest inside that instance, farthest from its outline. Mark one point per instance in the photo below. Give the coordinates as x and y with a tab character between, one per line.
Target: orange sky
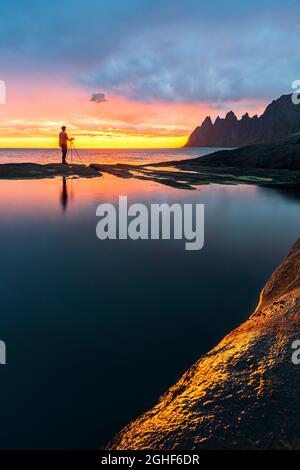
33	114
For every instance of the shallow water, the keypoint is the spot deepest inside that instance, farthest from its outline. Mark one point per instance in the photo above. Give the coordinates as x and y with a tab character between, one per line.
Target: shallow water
97	330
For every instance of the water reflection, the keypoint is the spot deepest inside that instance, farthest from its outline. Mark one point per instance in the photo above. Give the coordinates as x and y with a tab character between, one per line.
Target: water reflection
292	192
64	194
119	312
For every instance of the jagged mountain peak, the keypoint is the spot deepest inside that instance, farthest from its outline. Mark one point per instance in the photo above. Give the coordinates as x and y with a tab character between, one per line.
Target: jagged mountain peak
246	116
231	116
207	121
280	119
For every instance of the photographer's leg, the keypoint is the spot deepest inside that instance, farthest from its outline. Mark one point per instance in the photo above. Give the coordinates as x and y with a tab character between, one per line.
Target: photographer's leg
64	153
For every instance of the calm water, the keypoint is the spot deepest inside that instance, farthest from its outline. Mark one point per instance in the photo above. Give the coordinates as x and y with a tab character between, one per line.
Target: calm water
102	155
96	331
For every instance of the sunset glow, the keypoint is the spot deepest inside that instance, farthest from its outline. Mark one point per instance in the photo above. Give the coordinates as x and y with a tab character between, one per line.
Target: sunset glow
128	77
34	114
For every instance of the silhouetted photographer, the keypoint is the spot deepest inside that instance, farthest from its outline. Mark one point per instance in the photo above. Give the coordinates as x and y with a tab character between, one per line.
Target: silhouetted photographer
63	143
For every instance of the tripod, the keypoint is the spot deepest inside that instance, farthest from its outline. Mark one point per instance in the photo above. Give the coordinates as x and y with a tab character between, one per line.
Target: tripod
72	150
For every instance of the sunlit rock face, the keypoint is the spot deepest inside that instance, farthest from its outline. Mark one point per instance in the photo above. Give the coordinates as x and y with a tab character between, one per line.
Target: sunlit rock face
244	394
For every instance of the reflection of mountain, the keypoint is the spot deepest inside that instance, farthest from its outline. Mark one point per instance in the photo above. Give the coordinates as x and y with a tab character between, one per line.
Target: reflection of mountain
280	119
244	394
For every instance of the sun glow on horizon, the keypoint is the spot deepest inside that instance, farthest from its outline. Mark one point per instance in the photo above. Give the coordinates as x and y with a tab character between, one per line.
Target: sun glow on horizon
125	142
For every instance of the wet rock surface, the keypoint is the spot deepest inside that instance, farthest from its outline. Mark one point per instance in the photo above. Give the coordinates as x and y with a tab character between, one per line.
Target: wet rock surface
244	394
189	174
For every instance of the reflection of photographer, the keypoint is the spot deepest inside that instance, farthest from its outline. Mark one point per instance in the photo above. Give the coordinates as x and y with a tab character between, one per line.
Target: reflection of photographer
64	194
296	354
63	143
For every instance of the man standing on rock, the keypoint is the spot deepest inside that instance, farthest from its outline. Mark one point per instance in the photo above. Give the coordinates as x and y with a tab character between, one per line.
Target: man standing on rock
63	143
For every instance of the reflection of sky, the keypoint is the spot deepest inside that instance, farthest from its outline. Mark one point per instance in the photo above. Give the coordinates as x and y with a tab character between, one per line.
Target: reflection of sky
90	316
153	68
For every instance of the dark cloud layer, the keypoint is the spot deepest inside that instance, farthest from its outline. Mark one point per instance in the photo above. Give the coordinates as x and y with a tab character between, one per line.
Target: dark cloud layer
174	51
98	98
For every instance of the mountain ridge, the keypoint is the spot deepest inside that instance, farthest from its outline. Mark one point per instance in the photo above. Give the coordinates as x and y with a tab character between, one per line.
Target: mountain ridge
280	119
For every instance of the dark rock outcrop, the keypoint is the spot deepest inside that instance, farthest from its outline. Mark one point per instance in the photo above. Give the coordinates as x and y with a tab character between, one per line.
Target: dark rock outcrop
50	170
281	155
188	174
280	119
244	394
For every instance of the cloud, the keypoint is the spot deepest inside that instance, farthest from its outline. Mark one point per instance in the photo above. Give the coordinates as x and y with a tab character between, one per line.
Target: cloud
173	52
98	98
211	65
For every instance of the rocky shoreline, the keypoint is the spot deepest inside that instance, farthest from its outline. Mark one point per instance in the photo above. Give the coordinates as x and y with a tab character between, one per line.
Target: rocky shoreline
244	394
181	175
270	165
